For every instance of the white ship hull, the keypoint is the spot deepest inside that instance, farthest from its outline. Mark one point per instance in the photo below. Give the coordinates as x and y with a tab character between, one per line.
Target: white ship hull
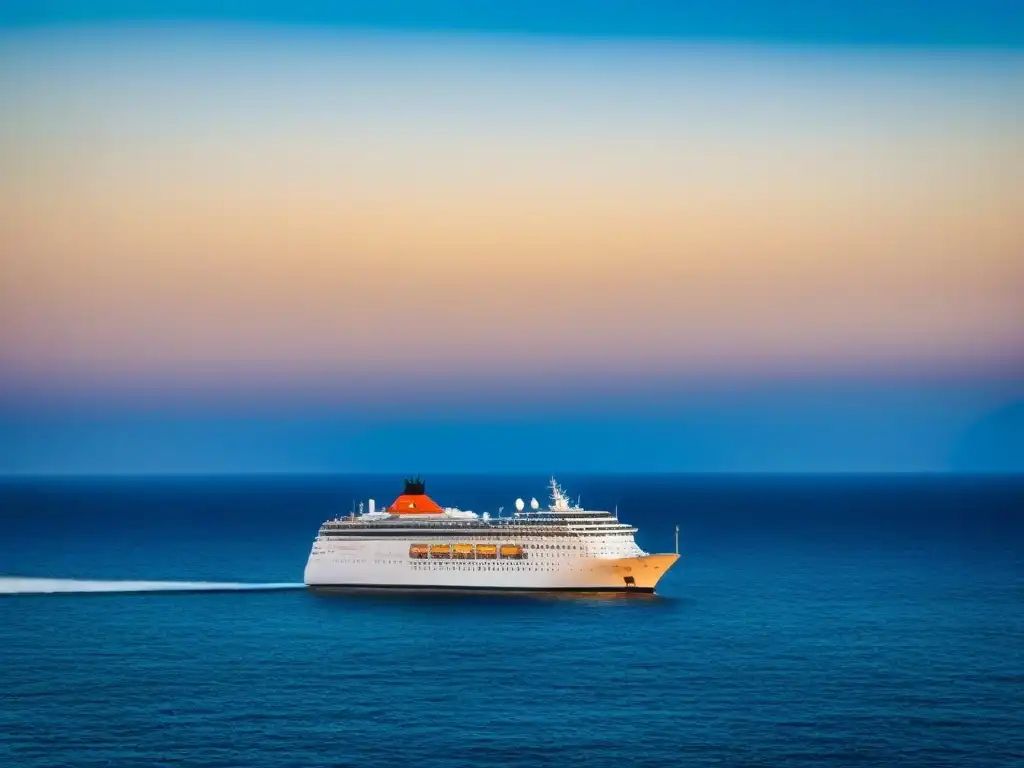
387	565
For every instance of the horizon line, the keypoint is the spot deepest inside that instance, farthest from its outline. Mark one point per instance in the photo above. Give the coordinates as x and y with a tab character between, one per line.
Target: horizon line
130	474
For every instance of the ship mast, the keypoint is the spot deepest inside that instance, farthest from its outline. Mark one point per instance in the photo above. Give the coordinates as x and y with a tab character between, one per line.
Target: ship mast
559	501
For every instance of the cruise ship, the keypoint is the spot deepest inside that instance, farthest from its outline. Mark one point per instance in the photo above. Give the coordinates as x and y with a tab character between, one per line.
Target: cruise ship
416	544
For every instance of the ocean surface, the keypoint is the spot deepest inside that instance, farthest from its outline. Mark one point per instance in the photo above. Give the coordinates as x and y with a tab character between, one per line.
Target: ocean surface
810	622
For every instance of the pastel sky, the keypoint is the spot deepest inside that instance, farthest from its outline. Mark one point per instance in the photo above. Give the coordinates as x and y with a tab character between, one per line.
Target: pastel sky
414	236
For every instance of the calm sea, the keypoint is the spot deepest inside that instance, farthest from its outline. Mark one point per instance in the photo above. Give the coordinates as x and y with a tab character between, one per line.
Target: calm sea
810	621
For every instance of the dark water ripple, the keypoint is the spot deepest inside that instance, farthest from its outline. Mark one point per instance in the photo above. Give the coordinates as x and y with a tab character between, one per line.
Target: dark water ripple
891	634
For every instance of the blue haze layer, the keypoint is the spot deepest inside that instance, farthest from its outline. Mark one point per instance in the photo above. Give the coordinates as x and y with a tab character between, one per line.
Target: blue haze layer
807	428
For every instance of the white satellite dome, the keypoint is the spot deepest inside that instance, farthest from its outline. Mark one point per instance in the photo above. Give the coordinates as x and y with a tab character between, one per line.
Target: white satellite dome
520	504
534	504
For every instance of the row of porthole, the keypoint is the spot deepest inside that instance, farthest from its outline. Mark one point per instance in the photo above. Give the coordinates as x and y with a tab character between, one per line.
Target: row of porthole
435	565
469	565
504	568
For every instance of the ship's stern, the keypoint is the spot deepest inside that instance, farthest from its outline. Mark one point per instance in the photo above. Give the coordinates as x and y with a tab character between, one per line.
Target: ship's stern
309	574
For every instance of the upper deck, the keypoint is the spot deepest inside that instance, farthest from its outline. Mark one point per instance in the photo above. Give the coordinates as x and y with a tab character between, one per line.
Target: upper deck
415	514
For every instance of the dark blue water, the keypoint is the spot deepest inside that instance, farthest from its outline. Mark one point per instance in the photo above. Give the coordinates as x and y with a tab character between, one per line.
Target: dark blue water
810	622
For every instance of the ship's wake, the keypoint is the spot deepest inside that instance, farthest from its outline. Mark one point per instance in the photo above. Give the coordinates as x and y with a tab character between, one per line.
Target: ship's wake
17	585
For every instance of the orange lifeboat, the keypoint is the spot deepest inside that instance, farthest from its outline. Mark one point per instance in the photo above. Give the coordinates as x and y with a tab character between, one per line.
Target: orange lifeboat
419	550
463	551
487	551
441	550
511	551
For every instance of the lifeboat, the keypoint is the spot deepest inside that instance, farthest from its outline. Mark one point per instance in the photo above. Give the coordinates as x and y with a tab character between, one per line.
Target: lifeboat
511	551
487	551
463	551
419	550
441	550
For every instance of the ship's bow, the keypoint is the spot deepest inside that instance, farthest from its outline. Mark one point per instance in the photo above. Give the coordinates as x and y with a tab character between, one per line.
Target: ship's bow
640	573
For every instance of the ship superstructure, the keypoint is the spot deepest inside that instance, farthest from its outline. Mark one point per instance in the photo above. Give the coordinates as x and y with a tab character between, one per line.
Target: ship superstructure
415	543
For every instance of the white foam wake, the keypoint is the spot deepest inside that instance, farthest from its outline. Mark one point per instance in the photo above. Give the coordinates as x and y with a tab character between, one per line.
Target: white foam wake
17	585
